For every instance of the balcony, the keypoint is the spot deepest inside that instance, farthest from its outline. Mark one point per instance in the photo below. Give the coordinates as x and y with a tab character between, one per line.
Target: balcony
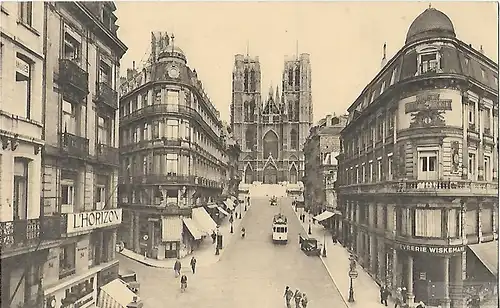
72	75
74	145
160	109
424	187
163	179
107	96
108	155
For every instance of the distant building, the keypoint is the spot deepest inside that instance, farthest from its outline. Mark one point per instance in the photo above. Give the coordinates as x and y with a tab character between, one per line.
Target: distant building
418	172
173	154
322	146
271	133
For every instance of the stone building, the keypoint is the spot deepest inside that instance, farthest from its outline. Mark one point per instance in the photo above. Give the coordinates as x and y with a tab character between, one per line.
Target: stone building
271	132
322	147
232	177
76	117
418	177
173	154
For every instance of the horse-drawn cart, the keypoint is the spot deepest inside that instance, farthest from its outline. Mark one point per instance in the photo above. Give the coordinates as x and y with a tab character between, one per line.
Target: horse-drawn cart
309	245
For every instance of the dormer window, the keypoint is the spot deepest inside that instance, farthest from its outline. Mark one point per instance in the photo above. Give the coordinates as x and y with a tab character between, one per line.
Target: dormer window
105	72
428	62
483	73
382	87
393	77
372	97
106	18
72	47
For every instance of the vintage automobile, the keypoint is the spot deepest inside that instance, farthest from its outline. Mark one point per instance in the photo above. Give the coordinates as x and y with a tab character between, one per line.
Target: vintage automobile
309	245
273	201
129	277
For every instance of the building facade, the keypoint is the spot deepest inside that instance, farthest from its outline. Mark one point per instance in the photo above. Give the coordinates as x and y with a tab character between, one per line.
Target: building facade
322	147
418	177
172	151
271	134
24	240
80	158
232	177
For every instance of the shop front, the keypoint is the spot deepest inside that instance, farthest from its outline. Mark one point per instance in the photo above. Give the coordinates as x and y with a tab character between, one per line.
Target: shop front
432	274
79	294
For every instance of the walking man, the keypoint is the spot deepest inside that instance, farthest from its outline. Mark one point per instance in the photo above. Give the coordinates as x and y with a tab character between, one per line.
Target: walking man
193	264
384	294
399	298
177	268
304	300
288	296
214	237
297	297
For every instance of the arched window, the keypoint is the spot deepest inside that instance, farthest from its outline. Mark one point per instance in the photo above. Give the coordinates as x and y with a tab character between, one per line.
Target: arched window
250	139
246	80
297	77
271	145
253	82
296	111
293	175
290	110
248	175
290	77
294	139
246	108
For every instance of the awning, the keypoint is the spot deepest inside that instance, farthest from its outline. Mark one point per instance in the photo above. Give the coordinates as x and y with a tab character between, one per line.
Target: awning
222	211
211	205
193	228
487	253
115	294
229	204
171	227
323	216
203	219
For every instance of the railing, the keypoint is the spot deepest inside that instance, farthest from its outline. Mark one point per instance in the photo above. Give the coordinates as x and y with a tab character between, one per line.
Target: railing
160	108
163	179
74	145
65	272
108	154
18	233
425	186
72	74
107	96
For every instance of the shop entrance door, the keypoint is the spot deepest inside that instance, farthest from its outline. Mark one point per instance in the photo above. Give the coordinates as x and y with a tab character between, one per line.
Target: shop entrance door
171	249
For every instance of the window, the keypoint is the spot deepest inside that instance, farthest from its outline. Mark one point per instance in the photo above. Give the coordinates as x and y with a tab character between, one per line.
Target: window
156	96
99	197
20	198
379	170
145	130
172	129
496	80
172	97
427	222
486	121
145	162
156	129
67	254
472	112
72	48
427	165
393	76
483	73
145	101
104	130
357	175
67	194
454	223
69	117
472	166
188	131
363	174
370	175
382	87
105	74
294	140
429	63
487	168
23	85
25	12
372	98
171	164
389	168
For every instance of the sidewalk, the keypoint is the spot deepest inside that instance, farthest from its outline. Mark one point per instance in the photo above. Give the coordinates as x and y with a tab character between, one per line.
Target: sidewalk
205	254
366	290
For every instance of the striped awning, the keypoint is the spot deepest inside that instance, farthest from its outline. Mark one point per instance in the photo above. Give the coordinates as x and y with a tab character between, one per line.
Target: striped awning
222	211
171	227
323	216
487	253
203	219
193	228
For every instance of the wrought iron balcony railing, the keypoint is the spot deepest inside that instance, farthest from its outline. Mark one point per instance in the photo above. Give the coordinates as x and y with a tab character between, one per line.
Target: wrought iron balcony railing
162	179
70	73
74	145
107	96
108	154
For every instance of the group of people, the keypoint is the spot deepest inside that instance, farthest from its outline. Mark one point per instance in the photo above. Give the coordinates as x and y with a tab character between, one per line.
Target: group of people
177	271
399	299
299	298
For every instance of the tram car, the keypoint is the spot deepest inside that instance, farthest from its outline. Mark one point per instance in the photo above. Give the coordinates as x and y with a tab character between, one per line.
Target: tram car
280	229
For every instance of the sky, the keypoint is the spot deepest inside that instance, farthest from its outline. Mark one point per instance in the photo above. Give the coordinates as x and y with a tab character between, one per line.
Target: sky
344	39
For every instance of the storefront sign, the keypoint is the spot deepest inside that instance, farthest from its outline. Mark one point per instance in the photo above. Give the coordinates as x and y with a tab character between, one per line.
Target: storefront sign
87	221
432	249
22	67
85	301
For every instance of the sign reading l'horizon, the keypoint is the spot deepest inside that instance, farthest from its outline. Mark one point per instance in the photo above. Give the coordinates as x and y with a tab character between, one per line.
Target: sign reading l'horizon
86	221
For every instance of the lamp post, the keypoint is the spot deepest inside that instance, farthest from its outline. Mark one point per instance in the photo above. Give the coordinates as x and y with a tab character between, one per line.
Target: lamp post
309	231
231	222
324	245
353	274
239	205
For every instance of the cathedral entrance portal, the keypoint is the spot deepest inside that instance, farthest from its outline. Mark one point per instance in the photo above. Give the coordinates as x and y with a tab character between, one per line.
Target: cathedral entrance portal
248	175
270	175
293	175
271	145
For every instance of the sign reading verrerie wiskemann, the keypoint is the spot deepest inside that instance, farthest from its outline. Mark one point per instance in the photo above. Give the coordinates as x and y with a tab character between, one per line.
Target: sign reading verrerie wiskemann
87	221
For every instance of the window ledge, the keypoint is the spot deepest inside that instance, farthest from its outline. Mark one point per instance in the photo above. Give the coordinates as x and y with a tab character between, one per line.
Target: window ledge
30	28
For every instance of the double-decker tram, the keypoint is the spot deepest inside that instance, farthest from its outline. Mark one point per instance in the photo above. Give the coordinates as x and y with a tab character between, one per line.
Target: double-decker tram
280	229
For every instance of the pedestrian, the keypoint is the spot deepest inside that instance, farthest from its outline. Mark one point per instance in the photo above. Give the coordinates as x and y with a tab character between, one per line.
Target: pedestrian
420	305
193	264
297	296
184	281
398	300
177	268
214	237
334	238
304	300
384	294
404	294
288	296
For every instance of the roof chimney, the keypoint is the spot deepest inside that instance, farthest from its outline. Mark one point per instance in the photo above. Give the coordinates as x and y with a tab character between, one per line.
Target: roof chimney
384	58
133	65
328	120
481	49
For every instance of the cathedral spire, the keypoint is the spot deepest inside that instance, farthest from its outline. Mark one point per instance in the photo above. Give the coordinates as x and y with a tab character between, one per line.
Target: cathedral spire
277	96
271	92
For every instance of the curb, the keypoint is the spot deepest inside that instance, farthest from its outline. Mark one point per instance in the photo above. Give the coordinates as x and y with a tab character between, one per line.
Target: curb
327	269
140	261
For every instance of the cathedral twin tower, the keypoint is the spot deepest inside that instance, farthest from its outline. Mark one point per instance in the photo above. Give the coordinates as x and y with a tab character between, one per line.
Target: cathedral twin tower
271	134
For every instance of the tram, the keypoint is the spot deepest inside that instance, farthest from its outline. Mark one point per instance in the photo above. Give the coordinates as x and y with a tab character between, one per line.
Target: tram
280	229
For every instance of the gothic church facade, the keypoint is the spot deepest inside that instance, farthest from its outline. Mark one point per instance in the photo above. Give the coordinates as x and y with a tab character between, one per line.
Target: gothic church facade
272	132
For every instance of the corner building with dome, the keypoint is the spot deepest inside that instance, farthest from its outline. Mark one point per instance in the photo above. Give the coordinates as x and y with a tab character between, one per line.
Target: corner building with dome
418	170
271	133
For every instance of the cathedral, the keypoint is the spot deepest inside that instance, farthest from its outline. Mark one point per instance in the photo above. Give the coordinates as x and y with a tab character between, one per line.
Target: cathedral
271	132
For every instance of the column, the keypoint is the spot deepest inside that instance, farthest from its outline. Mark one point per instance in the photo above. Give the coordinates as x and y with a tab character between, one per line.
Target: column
465	124
136	233
456	286
446	282
409	281
130	225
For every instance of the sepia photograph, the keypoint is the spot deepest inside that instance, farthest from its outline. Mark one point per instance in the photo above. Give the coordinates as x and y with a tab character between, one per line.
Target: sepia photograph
249	154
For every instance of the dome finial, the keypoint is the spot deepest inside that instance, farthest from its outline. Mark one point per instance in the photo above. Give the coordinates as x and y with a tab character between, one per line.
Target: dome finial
430	5
172	37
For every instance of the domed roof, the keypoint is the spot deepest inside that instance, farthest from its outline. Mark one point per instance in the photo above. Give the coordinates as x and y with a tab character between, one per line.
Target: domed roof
431	23
174	48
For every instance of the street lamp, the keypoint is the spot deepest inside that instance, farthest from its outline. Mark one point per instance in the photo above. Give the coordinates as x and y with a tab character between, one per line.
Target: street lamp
324	245
231	222
309	231
239	205
353	274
